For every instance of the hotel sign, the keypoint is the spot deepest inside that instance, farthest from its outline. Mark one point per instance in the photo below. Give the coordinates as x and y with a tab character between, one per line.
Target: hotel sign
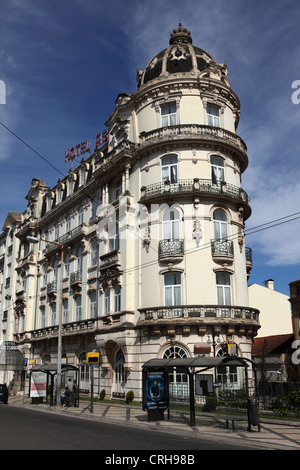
85	146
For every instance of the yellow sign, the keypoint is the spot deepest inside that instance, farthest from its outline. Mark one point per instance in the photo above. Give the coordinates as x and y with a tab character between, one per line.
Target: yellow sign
232	349
92	358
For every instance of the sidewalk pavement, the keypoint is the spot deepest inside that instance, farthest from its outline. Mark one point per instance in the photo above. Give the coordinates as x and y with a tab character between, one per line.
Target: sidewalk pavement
273	435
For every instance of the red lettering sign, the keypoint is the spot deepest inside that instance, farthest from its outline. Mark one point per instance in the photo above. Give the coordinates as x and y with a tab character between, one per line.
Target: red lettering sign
84	147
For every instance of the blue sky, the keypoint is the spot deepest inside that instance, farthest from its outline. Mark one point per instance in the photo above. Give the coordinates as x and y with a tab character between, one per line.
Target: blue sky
63	64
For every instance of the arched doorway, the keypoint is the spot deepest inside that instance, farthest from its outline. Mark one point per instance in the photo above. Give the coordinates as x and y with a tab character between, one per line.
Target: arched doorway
119	375
84	373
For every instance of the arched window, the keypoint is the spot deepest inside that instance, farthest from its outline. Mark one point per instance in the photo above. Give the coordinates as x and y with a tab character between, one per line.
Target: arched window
220	225
223	288
46	359
171	225
119	375
178	382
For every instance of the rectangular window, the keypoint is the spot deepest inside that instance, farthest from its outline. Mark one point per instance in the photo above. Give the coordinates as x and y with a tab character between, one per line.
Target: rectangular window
107	301
117	298
172	287
93	305
53	315
78	309
168	115
65	312
213	115
43	318
169	169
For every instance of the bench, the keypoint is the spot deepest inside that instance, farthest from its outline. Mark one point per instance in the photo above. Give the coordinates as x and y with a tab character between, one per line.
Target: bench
230	414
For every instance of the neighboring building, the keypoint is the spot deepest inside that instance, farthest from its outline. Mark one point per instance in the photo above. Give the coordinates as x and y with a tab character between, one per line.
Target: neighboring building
152	224
295	306
275	311
273	358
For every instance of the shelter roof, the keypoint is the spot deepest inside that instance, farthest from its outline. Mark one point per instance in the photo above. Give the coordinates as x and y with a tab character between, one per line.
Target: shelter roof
196	362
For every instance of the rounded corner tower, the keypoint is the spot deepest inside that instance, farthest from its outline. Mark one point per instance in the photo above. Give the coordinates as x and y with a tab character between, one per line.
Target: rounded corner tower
177	134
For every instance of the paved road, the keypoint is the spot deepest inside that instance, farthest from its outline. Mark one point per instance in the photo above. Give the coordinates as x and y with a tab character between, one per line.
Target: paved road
28	429
208	428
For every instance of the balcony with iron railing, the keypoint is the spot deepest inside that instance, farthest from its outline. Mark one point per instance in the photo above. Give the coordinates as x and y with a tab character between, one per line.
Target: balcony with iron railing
68	237
194	187
75	277
222	251
170	250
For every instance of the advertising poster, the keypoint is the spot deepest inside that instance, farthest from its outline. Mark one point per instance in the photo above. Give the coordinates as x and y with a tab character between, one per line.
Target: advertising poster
156	390
38	384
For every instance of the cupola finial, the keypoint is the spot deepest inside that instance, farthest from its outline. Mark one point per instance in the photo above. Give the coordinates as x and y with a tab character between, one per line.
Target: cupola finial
180	35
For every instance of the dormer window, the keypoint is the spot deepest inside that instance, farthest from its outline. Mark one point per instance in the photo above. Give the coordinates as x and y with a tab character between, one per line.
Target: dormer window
82	176
58	194
120	136
70	186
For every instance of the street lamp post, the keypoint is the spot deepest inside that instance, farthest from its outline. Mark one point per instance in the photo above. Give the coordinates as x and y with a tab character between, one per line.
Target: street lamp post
59	346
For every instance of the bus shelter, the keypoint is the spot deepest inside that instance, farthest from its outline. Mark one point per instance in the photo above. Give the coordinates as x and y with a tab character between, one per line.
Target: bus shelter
42	379
155	382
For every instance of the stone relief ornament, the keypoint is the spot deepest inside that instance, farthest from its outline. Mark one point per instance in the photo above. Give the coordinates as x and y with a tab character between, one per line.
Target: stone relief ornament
197	232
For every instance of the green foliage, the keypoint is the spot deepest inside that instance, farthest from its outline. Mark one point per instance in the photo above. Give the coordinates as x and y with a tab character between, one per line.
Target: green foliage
129	396
289	404
233	398
211	404
102	394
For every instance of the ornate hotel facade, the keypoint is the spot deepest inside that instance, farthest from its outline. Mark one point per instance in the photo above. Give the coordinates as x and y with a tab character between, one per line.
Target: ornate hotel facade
152	228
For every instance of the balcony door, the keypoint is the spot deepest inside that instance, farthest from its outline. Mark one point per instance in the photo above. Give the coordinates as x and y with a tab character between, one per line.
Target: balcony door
171	225
169	172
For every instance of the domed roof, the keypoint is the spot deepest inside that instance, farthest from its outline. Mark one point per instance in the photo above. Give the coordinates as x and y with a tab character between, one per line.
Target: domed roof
180	56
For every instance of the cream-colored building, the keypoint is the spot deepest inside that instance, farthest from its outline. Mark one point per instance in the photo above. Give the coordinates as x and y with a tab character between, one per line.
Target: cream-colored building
275	310
152	228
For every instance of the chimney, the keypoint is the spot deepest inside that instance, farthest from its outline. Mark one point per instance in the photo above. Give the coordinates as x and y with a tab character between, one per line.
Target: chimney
269	284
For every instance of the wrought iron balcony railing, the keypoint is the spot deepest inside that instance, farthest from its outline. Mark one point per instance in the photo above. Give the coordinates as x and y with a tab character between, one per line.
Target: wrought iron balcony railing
248	253
223	248
170	248
194	186
51	287
64	239
75	277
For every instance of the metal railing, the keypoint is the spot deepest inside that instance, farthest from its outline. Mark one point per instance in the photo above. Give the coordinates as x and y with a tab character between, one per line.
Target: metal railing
194	186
